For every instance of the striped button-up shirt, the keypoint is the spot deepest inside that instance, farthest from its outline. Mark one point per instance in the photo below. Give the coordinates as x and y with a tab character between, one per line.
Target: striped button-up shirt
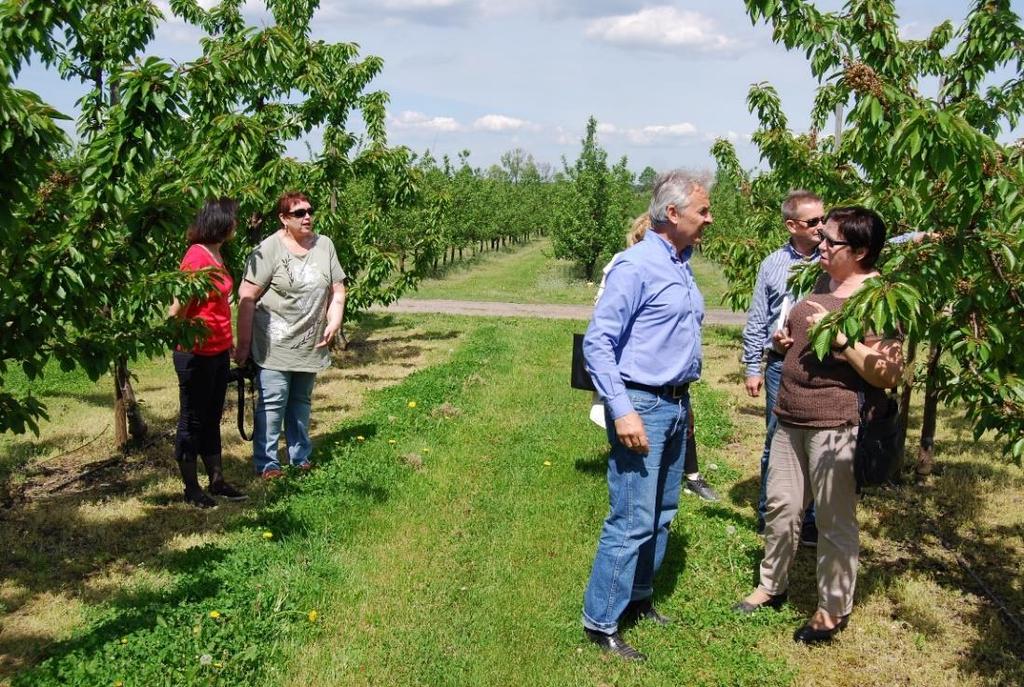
769	292
646	325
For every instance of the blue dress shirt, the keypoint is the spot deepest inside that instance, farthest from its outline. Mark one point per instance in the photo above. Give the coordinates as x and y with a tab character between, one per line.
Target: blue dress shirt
769	291
646	325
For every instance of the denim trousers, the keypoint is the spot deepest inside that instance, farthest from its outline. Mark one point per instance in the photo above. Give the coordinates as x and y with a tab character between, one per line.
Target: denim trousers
281	397
202	384
772	380
643	496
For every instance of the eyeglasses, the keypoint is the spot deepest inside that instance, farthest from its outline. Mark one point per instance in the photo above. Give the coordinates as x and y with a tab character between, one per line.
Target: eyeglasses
812	222
300	213
829	241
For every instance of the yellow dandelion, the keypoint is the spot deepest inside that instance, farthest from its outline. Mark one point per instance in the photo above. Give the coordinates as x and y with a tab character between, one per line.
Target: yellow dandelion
360	438
214	614
392	442
312	616
119	683
425	450
218	665
547	463
268	535
412	404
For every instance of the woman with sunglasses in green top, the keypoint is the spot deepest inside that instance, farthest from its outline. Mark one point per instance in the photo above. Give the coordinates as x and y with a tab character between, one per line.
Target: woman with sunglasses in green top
290	307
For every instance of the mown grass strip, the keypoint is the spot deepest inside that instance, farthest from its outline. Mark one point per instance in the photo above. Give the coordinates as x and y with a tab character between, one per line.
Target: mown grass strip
475	575
441	543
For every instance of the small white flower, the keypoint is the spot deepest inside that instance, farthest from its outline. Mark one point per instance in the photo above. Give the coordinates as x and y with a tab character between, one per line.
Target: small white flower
712	466
205	660
730	529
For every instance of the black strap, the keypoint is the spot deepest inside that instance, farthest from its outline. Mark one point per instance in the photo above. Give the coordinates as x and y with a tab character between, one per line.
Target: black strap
240	386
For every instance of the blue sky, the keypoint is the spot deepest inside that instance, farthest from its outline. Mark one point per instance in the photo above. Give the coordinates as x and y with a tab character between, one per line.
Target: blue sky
663	79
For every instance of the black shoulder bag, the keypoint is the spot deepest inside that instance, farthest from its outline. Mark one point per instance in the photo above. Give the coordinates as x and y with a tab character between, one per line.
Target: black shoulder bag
878	441
580	378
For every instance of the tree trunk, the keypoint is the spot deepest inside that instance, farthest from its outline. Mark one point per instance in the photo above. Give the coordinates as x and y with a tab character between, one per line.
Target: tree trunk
926	452
460	253
401	263
905	397
129	425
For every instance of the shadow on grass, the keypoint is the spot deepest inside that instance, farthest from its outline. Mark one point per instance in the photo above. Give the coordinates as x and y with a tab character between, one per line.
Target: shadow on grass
939	532
135	611
64	543
594	466
745	492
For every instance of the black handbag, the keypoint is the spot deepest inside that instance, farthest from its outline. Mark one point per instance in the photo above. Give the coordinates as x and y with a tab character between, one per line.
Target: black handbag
580	378
878	442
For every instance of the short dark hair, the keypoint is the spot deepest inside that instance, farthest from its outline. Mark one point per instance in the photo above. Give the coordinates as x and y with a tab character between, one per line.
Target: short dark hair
285	202
861	228
795	199
214	223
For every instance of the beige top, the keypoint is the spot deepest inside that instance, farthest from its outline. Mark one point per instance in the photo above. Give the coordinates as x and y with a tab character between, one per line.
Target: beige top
291	315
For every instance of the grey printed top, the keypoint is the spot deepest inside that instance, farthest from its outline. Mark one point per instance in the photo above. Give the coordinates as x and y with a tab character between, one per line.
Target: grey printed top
291	314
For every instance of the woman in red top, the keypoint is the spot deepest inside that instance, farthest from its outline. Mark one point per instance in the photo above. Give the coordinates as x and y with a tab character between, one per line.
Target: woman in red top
203	370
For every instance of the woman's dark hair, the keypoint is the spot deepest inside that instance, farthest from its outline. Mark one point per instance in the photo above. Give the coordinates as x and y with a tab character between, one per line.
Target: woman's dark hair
287	200
861	228
214	223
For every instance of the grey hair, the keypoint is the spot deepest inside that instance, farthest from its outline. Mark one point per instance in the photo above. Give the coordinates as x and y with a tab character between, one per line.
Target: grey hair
795	199
671	188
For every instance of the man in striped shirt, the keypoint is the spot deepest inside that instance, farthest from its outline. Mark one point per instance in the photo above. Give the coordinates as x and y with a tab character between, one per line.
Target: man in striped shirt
803	215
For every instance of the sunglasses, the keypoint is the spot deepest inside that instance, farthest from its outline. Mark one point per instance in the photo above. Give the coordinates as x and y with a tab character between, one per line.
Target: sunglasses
300	213
812	222
831	242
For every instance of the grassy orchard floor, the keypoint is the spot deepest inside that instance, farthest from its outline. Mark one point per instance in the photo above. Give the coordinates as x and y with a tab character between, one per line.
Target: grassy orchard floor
440	549
528	274
455	556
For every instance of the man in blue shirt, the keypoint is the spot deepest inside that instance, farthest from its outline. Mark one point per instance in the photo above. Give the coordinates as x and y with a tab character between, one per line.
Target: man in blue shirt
642	350
803	215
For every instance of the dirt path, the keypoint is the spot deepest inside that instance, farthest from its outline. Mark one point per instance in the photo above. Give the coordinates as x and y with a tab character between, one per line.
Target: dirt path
548	311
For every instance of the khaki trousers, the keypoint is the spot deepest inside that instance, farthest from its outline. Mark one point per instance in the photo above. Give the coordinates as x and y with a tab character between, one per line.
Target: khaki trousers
811	463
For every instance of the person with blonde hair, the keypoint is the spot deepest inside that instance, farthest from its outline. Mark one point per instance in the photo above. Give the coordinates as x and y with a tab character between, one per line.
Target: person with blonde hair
693	481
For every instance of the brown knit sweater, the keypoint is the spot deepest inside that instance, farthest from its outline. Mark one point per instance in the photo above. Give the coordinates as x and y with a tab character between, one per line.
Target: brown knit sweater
818	393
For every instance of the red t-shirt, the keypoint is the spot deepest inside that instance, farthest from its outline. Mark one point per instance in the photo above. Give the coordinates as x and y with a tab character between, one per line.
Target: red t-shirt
214	311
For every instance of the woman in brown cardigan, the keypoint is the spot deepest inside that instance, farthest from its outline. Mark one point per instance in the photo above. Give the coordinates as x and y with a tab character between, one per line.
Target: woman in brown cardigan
818	411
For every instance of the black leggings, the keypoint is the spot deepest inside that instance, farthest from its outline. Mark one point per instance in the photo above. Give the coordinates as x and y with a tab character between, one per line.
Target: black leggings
202	383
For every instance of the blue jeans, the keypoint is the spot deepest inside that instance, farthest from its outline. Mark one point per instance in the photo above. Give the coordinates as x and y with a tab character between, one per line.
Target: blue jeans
772	380
643	495
282	397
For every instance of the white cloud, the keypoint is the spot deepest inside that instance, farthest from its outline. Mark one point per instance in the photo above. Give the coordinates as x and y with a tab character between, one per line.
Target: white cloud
496	122
662	28
412	120
657	133
606	128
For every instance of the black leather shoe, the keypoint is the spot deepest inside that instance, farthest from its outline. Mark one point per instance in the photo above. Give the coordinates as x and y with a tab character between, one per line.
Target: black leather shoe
808	635
643	609
614	644
774	602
